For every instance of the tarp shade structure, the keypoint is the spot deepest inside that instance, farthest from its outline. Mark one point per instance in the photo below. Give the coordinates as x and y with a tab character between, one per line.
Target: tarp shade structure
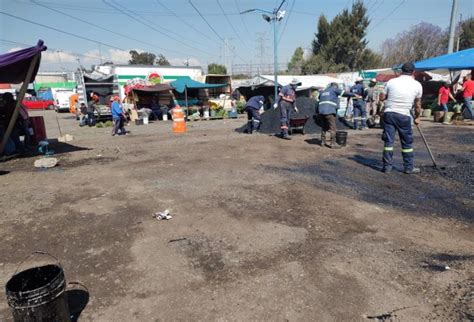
14	66
154	88
463	59
181	84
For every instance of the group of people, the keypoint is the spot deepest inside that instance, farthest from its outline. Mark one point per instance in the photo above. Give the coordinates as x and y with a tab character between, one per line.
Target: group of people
467	92
401	101
88	114
21	128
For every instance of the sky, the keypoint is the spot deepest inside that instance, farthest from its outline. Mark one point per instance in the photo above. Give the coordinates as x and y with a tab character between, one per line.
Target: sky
197	31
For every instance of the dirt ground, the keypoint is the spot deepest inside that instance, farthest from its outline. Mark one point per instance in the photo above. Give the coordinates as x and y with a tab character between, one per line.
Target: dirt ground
262	228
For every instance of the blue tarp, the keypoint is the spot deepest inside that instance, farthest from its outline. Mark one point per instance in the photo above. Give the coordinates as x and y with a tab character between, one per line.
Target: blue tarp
180	84
463	59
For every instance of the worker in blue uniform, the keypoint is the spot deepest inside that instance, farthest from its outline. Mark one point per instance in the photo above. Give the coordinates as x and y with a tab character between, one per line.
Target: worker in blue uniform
358	95
327	111
286	101
402	93
254	107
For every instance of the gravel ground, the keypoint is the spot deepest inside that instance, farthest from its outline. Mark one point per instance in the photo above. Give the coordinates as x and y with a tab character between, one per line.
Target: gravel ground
262	228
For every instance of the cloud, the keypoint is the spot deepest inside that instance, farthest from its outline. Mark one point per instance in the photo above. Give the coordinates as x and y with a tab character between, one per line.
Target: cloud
180	61
57	57
14	49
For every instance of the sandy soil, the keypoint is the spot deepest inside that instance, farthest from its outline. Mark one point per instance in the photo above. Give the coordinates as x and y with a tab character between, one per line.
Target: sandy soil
262	228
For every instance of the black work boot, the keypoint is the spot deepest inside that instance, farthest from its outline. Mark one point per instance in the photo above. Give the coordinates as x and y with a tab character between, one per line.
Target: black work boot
323	138
334	144
249	128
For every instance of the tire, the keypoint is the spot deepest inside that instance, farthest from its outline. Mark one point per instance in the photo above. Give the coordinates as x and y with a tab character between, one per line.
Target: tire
50	107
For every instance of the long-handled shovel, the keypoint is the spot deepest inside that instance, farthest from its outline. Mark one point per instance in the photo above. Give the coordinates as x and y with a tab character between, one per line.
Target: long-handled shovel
427	146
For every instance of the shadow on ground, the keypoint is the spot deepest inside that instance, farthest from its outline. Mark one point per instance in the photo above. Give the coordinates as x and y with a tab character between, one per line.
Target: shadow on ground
430	193
77	298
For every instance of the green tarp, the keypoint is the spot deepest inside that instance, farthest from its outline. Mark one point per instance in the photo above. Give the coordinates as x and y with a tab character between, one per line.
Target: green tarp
186	82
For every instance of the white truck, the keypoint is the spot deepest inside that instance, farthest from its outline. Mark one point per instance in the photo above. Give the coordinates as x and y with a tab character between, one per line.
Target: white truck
61	99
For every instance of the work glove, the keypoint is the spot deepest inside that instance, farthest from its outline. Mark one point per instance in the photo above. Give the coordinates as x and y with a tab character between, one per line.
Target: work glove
261	110
296	109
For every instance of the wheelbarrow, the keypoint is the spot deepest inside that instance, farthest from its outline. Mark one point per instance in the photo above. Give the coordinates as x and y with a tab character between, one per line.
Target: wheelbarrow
298	124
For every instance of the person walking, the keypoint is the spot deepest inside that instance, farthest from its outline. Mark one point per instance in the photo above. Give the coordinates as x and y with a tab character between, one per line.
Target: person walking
468	93
444	94
254	108
118	117
326	112
286	101
401	94
358	95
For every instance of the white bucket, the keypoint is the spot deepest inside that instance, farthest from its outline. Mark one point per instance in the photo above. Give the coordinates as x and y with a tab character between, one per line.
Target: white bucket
165	117
206	114
145	120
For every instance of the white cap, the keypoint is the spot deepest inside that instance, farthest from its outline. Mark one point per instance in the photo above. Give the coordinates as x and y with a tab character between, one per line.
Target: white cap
359	79
373	80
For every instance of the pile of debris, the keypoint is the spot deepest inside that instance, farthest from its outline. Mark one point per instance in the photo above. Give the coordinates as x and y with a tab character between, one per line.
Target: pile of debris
306	108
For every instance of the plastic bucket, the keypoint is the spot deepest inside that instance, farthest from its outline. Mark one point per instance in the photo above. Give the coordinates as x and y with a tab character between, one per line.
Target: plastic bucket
341	138
165	116
145	120
38	294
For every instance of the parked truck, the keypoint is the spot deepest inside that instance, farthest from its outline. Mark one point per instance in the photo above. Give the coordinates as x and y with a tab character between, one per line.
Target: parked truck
103	85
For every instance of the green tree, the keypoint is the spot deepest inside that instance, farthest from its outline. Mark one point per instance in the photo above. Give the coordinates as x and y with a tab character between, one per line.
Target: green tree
322	36
294	66
466	39
141	58
214	68
162	61
340	45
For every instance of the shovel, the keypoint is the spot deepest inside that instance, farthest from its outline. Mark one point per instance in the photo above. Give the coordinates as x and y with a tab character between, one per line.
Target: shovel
427	146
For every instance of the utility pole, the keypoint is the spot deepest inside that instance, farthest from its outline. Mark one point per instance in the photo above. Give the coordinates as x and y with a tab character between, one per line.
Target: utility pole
452	26
273	17
459	33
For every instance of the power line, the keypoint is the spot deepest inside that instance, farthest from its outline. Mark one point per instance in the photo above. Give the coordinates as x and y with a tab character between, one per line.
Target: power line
52	49
124	11
241	17
391	13
209	25
286	21
183	20
231	25
61	31
100	27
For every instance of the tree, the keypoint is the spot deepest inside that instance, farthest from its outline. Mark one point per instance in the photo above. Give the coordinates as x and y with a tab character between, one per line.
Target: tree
421	41
322	36
466	39
162	61
141	58
340	45
294	66
216	69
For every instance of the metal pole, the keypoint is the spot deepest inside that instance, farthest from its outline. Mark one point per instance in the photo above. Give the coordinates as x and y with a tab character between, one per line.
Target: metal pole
452	26
427	146
275	57
19	98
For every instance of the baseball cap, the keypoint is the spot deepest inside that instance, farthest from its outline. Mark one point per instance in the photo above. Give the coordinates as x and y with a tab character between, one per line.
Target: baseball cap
408	67
359	79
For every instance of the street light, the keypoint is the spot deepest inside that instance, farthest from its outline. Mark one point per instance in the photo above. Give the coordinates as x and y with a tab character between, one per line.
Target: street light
275	16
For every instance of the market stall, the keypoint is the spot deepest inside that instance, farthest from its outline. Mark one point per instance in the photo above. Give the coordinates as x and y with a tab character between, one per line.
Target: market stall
156	98
186	85
19	67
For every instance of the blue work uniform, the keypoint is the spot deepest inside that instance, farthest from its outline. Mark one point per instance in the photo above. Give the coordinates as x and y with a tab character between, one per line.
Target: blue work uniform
286	107
329	101
360	112
252	107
